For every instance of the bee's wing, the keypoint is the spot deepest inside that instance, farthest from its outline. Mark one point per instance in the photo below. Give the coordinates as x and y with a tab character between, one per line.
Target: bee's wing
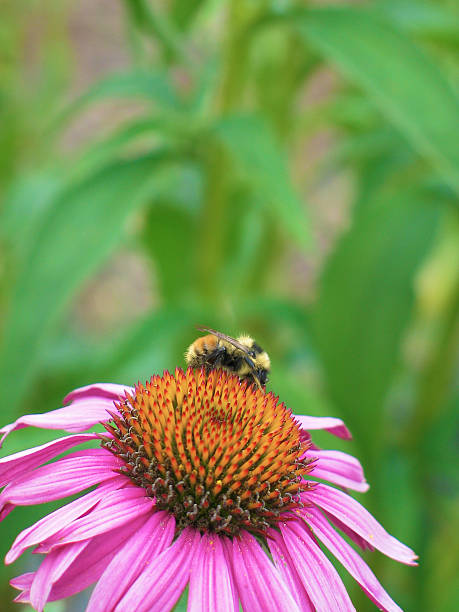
232	341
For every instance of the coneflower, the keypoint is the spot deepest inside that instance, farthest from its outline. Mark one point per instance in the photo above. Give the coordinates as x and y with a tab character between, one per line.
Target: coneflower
200	480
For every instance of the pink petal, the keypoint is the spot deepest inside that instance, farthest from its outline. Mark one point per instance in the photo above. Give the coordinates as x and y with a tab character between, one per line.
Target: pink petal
288	572
113	511
22	598
324	586
93	560
160	585
22	582
357	518
77	417
49	572
59	519
109	391
65	477
19	463
330	424
361	543
259	584
339	468
351	560
147	543
211	583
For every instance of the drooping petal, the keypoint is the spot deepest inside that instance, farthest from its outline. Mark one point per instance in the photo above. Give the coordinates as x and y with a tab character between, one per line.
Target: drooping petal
354	515
211	584
131	560
49	572
16	465
52	523
286	567
109	391
160	585
90	563
331	424
259	584
23	597
57	480
361	543
78	417
339	468
22	582
354	564
323	585
113	511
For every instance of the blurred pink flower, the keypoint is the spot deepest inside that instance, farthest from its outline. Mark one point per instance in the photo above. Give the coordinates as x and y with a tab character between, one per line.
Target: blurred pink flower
197	479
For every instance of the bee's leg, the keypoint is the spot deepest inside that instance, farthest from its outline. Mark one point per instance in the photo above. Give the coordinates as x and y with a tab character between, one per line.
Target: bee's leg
252	381
216	358
253	375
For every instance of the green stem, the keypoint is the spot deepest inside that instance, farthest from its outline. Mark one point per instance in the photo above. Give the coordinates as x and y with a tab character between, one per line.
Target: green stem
234	66
212	221
216	199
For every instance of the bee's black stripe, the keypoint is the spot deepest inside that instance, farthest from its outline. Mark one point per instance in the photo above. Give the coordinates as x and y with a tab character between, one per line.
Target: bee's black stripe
257	348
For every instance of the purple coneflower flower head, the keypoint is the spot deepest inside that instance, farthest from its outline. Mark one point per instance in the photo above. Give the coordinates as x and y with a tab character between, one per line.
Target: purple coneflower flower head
199	481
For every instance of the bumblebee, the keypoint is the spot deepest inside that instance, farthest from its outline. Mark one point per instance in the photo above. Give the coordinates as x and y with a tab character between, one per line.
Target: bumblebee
241	356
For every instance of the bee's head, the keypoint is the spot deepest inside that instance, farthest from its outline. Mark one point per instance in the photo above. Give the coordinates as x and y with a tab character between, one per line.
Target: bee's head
262	375
258	356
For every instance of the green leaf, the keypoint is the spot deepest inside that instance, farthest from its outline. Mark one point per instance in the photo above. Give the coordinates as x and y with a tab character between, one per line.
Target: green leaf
263	164
244	243
133	138
403	82
145	129
168	225
275	311
29	197
169	234
149	346
156	343
185	11
152	86
424	19
365	303
82	228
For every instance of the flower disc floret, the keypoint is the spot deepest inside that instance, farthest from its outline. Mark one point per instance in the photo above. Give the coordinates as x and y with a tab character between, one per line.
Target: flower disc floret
218	454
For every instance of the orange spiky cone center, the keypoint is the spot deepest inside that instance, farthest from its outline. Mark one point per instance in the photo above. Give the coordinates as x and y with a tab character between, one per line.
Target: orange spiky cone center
220	455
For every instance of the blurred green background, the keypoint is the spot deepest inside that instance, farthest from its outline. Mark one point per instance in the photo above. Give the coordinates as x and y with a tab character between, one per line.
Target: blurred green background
287	169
